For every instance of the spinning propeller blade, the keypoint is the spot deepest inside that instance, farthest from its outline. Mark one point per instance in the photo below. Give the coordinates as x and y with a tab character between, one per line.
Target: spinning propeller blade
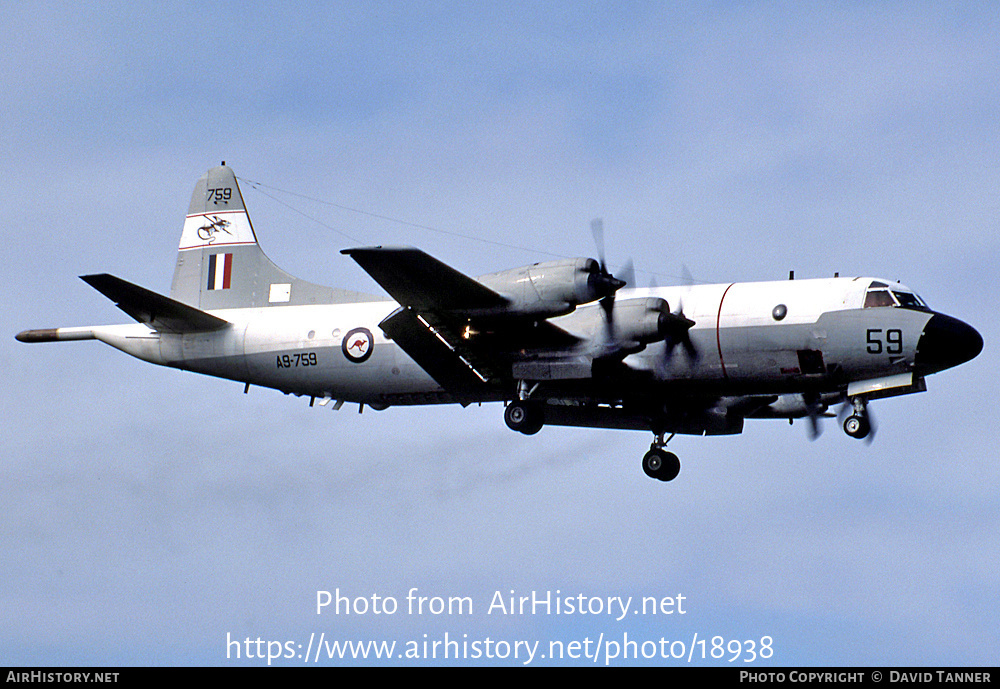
814	411
603	281
680	333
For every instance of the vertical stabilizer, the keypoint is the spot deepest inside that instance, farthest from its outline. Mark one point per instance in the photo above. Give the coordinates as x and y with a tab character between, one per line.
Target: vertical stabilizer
220	265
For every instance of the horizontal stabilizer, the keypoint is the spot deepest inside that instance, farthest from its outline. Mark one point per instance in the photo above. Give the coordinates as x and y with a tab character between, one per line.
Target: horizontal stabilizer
155	310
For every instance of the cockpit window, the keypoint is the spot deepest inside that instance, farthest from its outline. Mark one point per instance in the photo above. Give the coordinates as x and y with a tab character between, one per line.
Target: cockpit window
880	294
878	297
910	301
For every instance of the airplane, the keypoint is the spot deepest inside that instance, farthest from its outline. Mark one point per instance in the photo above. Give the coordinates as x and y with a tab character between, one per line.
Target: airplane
561	342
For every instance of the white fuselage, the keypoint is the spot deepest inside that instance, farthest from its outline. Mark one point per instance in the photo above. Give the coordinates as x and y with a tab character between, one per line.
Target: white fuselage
765	336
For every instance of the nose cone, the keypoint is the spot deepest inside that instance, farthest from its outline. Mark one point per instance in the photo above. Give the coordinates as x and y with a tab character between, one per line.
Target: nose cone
946	342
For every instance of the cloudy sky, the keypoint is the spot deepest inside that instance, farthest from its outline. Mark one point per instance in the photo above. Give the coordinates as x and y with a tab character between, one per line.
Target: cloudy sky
149	515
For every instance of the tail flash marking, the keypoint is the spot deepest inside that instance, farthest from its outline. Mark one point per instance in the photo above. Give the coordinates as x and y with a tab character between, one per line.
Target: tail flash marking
218	228
220	265
220	271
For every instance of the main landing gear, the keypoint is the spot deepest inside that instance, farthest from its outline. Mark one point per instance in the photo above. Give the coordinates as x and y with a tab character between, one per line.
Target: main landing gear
858	425
524	417
527	416
660	464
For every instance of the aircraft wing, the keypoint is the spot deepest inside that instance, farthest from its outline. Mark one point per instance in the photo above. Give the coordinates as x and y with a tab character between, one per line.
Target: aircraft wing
459	330
155	310
421	282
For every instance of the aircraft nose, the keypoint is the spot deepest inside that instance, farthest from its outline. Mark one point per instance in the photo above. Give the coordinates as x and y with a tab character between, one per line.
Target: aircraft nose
946	342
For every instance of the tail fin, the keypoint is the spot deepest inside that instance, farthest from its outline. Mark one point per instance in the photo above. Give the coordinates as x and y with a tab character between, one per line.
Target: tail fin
220	265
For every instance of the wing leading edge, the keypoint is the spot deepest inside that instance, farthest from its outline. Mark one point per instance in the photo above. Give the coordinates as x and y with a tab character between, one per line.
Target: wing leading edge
421	282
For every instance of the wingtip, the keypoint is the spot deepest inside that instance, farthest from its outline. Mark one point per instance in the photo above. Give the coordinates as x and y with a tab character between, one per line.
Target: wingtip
363	249
95	279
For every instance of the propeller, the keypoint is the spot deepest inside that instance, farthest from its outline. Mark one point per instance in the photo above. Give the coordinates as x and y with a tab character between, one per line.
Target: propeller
871	428
814	412
603	281
816	409
844	411
674	324
678	327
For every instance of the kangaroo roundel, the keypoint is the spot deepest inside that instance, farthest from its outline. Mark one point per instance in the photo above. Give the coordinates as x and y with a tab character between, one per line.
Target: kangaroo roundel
358	345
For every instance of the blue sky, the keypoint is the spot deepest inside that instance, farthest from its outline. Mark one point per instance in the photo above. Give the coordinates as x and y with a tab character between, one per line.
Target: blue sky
148	512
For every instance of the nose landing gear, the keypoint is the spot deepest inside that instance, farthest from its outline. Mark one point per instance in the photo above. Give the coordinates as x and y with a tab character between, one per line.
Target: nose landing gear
858	425
660	464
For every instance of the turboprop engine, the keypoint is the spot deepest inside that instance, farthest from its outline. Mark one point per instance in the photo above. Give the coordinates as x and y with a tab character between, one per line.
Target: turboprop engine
631	324
552	288
641	321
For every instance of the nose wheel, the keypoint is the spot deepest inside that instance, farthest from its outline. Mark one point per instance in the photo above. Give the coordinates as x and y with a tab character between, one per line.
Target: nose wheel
858	425
660	464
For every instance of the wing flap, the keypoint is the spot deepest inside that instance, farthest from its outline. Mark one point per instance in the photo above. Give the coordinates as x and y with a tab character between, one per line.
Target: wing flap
450	367
155	310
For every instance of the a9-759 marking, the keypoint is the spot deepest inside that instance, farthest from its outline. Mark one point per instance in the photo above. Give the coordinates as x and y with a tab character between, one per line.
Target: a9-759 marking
296	360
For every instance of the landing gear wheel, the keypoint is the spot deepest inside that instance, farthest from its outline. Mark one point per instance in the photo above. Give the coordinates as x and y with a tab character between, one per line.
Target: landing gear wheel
857	426
652	462
523	417
660	464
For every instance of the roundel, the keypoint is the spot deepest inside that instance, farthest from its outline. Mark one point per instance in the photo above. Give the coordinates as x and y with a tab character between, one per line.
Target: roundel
358	345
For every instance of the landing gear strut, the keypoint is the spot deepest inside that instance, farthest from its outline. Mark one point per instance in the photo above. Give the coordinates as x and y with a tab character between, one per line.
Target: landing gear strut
858	425
660	464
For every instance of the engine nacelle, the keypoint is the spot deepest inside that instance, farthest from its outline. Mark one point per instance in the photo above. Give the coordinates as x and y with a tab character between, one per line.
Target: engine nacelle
642	321
552	288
